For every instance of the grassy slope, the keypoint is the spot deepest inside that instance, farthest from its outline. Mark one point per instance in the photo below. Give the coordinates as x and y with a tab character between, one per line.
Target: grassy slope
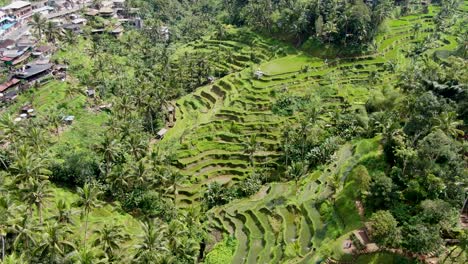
85	131
345	80
246	98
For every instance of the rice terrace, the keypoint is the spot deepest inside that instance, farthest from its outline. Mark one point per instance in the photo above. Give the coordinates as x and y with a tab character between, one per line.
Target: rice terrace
292	131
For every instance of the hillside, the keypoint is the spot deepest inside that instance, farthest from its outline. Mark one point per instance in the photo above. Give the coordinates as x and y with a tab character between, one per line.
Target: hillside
337	140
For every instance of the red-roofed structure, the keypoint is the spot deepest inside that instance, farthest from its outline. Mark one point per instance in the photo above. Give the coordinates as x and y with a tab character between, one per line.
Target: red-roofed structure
9	84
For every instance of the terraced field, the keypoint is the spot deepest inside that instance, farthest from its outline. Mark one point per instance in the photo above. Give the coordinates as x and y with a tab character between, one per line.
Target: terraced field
285	213
215	123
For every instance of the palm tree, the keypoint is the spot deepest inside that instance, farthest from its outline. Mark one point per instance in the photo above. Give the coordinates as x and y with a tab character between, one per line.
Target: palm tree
334	183
304	129
463	46
37	138
15	259
110	239
448	123
54	117
88	200
416	29
55	245
8	217
24	231
110	149
180	245
64	213
38	23
296	171
51	31
86	255
154	242
137	146
69	37
250	147
28	165
72	91
36	193
10	128
175	177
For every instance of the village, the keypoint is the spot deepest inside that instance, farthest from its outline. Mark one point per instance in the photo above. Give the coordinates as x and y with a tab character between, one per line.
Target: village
26	56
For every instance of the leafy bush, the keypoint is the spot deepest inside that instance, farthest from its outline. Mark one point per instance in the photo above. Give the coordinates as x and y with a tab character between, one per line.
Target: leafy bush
75	168
286	106
222	252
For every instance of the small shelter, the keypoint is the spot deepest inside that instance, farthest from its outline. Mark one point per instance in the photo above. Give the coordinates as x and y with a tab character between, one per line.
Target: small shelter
258	74
90	93
68	119
106	12
161	133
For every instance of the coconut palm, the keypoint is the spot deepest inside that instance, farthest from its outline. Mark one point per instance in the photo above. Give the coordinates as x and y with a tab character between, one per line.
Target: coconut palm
88	200
15	259
110	239
334	182
25	231
416	29
448	123
72	91
64	213
296	171
137	145
69	37
176	232
51	31
86	255
55	244
28	165
36	193
37	138
463	44
175	178
38	23
154	242
250	147
110	149
9	212
304	129
10	129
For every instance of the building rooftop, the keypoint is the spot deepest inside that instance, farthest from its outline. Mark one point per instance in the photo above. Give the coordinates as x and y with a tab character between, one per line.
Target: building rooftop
32	70
79	20
16	5
6	43
106	10
8	84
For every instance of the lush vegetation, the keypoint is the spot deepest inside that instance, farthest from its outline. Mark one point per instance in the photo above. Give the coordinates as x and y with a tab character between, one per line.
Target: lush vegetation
288	114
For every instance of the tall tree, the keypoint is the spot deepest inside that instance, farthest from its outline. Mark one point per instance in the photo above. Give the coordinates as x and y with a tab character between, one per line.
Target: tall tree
154	242
55	244
38	22
88	200
110	238
250	147
36	193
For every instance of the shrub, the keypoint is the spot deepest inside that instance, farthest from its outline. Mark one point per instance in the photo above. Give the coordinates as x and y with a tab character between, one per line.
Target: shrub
383	228
76	168
222	252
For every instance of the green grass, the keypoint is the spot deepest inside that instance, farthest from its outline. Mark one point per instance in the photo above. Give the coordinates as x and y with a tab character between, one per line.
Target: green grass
288	64
222	252
382	258
105	214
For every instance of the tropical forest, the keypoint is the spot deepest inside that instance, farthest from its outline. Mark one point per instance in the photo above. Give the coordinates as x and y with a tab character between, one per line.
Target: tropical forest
234	131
